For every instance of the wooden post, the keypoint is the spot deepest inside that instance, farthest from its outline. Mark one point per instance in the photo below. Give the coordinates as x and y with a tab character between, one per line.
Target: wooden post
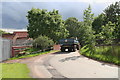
13	52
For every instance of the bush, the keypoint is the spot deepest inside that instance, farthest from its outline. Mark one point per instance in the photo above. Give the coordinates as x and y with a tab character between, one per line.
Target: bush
43	42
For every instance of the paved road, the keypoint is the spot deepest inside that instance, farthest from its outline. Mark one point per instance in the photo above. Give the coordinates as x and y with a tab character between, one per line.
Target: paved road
70	65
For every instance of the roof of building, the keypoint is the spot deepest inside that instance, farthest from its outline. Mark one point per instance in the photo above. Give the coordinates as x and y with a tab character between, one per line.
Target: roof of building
8	36
16	34
21	34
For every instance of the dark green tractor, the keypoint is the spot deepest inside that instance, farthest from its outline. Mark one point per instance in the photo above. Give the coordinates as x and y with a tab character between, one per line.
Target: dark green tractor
71	44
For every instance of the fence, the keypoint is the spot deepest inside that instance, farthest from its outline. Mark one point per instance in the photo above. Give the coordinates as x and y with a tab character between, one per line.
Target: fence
113	50
23	42
17	49
6	47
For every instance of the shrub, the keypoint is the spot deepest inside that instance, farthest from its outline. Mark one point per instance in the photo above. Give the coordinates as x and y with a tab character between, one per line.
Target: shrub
43	42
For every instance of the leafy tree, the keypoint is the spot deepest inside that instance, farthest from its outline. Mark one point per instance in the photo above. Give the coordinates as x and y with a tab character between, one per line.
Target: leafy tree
72	25
42	22
112	14
88	33
97	23
88	16
82	33
107	32
43	42
88	19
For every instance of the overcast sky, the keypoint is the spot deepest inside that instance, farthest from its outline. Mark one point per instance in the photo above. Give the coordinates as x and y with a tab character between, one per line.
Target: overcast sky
14	13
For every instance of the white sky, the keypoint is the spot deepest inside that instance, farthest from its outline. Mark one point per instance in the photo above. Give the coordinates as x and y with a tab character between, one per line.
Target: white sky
89	1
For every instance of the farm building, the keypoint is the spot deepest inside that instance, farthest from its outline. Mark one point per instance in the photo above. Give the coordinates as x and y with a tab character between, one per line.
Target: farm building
18	38
13	43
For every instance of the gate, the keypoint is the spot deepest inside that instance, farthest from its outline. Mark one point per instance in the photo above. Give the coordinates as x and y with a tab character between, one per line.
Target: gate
6	47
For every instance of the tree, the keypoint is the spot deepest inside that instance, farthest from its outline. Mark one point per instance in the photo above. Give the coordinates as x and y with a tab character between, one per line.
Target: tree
112	14
97	23
42	22
88	33
72	25
88	19
107	32
82	33
88	16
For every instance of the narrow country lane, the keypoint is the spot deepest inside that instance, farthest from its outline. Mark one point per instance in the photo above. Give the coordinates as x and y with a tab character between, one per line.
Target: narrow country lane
69	65
74	65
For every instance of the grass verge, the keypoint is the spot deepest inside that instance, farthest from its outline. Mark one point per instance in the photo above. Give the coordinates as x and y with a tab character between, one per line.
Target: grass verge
106	54
15	70
32	55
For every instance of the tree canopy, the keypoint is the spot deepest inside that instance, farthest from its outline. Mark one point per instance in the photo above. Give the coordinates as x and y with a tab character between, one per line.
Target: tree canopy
42	22
88	33
110	14
97	23
50	23
72	25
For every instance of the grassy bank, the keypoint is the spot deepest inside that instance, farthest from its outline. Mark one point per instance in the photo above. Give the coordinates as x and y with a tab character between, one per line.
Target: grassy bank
108	54
15	70
31	54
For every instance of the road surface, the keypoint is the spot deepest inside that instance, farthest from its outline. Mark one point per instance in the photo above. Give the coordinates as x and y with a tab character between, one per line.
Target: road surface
69	65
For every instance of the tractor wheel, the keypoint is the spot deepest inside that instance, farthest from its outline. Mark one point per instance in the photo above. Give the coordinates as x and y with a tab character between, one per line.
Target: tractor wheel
78	47
70	49
74	48
62	49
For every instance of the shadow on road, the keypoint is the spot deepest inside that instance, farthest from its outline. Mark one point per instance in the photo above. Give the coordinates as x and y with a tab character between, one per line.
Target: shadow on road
70	58
108	64
61	52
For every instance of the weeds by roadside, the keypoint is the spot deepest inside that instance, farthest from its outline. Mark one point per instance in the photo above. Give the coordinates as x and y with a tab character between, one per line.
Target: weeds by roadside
107	54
